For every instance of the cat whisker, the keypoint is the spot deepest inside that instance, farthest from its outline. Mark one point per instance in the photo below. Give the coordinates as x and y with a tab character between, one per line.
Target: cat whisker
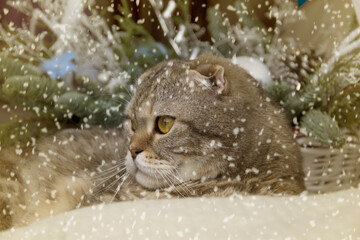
170	182
119	186
182	182
100	175
124	99
157	180
175	180
129	178
110	185
129	92
100	180
107	172
110	168
159	171
126	181
102	187
99	187
183	185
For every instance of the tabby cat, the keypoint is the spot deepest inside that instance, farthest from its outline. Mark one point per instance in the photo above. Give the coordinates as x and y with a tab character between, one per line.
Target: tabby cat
193	128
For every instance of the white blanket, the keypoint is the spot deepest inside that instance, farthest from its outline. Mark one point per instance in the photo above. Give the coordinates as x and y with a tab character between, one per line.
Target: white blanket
331	216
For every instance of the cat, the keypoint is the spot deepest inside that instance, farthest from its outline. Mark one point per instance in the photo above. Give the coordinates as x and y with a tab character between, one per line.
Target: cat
192	128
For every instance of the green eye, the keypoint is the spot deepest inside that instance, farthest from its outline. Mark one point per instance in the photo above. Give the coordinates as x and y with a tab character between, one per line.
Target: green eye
133	127
164	124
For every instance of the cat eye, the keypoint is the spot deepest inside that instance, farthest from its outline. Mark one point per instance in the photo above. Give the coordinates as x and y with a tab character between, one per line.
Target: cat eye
133	127
164	124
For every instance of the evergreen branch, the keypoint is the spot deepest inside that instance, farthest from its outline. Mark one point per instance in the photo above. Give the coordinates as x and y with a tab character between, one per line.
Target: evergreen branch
345	107
10	67
322	128
184	7
74	103
132	31
32	89
298	102
24	45
89	86
79	106
106	113
278	91
129	25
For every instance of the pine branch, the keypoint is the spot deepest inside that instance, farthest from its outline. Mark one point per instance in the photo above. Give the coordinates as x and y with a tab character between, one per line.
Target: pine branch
298	102
14	67
345	107
89	110
323	128
89	86
33	89
278	91
132	30
74	103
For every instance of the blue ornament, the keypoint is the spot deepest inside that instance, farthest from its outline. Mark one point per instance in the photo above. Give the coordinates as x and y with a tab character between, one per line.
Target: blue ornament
60	65
301	2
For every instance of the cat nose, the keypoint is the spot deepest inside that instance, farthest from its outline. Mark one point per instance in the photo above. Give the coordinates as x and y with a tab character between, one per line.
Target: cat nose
134	151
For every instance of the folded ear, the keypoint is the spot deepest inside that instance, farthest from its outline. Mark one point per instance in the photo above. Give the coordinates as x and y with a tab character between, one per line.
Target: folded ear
211	76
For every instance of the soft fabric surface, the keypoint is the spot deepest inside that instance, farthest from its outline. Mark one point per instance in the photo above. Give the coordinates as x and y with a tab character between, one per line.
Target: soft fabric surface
331	216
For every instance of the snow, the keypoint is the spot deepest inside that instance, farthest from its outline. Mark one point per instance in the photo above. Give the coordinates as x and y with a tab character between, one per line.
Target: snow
255	68
236	131
237	217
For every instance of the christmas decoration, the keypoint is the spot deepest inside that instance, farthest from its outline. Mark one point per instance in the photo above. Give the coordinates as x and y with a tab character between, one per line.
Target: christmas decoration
70	67
59	66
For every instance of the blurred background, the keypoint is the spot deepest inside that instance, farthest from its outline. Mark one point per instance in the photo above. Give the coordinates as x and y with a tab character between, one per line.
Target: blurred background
326	21
325	14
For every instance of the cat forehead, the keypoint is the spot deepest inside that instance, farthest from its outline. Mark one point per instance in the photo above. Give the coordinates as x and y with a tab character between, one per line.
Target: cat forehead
167	86
163	73
155	104
161	101
164	78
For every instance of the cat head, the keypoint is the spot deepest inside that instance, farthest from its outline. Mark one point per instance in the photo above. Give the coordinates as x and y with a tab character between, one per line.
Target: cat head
183	121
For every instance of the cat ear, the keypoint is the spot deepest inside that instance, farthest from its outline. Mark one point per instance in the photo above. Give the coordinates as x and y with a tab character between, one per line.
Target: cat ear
211	76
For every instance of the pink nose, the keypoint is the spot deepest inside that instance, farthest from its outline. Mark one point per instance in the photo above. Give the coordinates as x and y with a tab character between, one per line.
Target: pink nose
134	151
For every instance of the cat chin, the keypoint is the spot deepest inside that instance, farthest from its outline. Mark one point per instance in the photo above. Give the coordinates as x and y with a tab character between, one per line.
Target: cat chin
146	180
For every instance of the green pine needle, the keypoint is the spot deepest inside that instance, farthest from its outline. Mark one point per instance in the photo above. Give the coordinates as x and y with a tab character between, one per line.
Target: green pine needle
323	128
32	89
345	108
14	67
298	102
278	91
74	103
